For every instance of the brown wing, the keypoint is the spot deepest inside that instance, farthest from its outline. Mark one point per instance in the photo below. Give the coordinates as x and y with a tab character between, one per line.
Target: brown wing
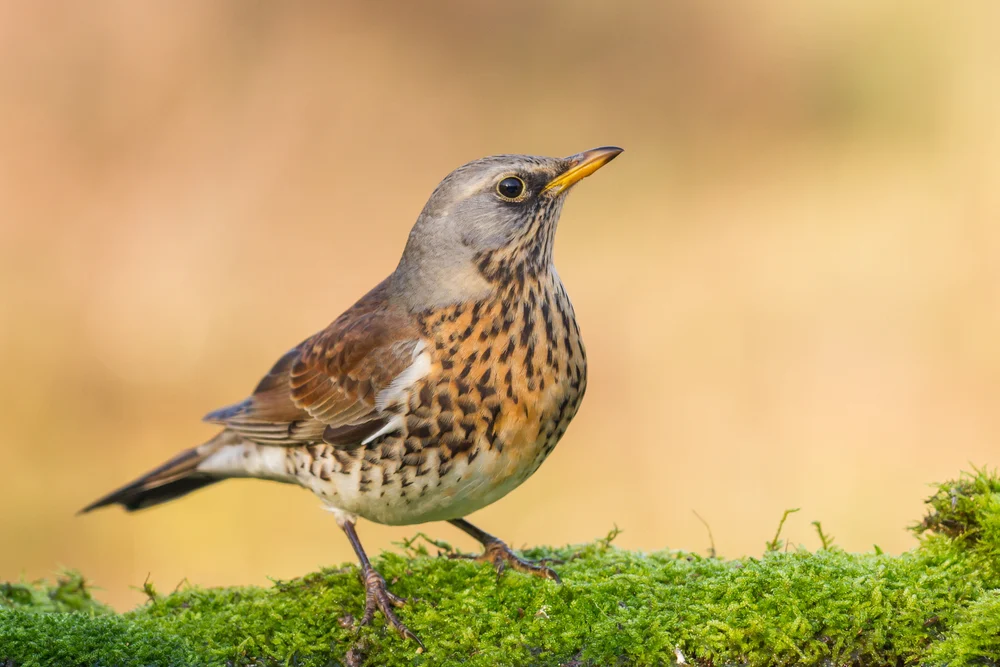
326	387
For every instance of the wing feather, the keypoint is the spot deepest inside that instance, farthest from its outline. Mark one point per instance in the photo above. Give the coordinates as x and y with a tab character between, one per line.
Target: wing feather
337	385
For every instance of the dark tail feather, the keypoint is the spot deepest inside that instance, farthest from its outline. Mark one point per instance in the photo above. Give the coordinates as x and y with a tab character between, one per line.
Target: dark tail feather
175	478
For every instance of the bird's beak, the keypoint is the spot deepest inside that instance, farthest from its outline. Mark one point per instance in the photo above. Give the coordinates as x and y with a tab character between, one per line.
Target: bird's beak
582	165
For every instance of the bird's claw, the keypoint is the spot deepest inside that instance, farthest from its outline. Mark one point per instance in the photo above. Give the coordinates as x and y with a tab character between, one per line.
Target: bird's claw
378	596
501	556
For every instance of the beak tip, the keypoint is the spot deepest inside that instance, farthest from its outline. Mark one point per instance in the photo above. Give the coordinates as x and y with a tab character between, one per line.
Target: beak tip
582	165
604	153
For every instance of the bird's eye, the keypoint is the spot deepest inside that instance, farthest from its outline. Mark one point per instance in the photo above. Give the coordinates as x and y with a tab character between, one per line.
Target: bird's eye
511	187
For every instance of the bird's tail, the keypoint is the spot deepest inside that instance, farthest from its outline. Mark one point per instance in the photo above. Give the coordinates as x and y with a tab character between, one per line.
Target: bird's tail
224	456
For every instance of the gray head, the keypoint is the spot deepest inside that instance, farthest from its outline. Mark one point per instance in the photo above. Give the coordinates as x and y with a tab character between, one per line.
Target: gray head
499	211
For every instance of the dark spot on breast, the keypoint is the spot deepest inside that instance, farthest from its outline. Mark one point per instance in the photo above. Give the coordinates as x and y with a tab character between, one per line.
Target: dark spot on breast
508	351
528	326
491	435
412	446
467	405
445	421
455	444
468	423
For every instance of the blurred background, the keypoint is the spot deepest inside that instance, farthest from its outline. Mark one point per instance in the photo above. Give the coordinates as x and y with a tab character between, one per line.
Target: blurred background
789	284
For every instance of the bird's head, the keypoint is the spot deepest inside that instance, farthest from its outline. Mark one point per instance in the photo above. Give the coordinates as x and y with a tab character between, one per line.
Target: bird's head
484	220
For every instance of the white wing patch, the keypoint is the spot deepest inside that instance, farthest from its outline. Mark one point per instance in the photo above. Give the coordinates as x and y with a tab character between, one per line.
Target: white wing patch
399	389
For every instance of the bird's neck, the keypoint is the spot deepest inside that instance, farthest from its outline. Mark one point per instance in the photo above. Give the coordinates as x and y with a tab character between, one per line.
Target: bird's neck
422	283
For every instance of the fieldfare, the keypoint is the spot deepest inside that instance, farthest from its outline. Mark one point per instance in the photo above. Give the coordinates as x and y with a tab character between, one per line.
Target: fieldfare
436	394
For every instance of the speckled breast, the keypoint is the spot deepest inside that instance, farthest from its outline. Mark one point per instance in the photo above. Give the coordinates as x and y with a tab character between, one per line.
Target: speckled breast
506	377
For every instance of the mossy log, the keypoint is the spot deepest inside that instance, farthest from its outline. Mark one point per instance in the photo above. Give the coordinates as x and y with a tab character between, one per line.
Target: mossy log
938	604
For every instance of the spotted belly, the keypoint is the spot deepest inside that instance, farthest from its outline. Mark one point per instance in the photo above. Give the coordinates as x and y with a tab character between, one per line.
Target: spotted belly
390	494
401	479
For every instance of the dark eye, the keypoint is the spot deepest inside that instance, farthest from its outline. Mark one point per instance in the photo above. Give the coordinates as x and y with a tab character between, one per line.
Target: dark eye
511	187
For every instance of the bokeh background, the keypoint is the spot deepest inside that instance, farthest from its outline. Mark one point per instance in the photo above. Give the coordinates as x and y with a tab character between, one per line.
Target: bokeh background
789	284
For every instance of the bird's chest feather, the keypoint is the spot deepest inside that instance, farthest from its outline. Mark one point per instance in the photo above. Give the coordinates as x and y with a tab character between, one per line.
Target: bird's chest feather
506	377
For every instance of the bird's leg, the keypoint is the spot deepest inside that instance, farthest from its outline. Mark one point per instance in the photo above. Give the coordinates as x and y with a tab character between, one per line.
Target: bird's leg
377	596
498	553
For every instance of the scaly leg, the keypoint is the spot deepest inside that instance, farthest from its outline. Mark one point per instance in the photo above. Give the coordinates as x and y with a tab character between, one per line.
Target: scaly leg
498	553
377	596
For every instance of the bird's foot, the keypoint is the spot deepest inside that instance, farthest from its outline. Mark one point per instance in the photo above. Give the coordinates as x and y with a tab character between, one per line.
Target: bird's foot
501	556
378	596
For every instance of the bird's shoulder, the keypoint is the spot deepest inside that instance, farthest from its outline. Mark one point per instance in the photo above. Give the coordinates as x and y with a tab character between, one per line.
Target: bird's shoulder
328	387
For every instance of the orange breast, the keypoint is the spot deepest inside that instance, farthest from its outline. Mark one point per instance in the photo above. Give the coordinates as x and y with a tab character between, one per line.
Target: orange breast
510	371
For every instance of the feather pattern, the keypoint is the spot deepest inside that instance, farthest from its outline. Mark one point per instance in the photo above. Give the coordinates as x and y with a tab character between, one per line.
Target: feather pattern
336	386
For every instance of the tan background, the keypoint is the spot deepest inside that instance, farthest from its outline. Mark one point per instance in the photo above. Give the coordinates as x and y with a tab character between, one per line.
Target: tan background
789	284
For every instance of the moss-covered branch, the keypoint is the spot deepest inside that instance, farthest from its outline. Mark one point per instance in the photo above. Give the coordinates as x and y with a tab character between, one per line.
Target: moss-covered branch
937	604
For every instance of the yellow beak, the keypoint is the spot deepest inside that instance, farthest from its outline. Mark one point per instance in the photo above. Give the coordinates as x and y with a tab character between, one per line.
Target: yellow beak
582	165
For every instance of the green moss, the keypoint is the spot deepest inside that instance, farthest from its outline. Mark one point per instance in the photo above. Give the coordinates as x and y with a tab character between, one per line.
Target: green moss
966	509
975	637
936	604
71	592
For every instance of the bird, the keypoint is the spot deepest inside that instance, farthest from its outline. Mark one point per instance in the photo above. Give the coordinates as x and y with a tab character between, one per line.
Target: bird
437	393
